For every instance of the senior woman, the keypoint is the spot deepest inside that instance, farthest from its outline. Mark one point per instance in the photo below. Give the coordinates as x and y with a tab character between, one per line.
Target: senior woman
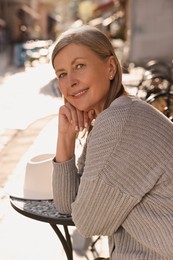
121	186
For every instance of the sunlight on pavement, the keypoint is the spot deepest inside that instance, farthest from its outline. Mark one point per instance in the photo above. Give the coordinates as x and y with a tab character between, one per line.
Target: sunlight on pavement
27	96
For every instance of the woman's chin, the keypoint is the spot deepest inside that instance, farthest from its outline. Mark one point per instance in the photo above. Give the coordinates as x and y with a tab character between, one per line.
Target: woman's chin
81	107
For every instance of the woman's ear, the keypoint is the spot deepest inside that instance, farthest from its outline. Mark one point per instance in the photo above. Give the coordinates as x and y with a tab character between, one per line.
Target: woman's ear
112	67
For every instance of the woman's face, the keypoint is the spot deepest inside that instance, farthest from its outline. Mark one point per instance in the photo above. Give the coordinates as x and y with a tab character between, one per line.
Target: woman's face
83	78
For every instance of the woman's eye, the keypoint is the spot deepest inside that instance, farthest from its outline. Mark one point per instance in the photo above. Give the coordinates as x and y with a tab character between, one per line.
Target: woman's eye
79	66
62	75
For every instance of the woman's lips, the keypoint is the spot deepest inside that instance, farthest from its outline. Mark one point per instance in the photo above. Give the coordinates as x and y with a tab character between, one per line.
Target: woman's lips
79	93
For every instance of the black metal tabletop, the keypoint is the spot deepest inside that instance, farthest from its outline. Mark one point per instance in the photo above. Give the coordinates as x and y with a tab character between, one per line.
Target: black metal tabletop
42	210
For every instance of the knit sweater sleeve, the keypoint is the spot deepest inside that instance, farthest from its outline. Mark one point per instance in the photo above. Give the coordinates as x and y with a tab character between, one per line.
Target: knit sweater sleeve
65	182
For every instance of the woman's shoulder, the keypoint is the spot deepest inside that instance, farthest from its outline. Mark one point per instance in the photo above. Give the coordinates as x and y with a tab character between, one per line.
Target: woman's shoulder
124	100
118	111
113	118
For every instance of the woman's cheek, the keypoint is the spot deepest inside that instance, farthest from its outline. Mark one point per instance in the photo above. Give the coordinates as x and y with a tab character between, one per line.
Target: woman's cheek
62	90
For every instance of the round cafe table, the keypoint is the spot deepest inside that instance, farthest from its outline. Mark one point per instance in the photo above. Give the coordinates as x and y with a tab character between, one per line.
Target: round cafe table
45	211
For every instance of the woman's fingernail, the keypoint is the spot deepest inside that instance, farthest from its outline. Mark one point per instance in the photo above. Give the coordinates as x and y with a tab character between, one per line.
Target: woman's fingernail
76	128
86	125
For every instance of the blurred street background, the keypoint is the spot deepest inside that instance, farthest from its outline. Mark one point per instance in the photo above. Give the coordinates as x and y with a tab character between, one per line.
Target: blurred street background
142	35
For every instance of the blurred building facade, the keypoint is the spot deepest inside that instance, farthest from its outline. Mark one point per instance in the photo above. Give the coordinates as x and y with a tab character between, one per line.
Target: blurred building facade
150	31
26	16
144	26
24	20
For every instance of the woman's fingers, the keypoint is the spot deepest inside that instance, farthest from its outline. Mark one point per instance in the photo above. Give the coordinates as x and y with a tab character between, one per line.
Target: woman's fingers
81	120
73	116
65	118
65	112
76	119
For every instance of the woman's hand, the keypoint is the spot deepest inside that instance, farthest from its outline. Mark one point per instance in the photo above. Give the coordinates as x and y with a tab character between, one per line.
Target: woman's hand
71	121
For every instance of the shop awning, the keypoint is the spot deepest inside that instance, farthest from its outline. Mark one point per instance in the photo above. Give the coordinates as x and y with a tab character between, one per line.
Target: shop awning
105	6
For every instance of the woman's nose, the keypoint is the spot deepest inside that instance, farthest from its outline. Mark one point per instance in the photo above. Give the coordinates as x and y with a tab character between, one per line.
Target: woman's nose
73	81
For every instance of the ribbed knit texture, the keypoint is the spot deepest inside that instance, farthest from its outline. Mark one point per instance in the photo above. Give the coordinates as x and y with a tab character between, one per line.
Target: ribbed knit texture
126	188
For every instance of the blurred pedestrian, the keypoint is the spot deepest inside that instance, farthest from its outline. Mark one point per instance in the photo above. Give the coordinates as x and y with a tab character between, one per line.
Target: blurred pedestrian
122	184
19	50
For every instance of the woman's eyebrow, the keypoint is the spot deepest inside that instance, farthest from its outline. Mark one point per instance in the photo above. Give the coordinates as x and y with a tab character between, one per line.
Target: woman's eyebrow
59	70
77	58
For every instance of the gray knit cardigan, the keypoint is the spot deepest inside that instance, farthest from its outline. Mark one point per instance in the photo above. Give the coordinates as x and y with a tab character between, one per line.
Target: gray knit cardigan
122	186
